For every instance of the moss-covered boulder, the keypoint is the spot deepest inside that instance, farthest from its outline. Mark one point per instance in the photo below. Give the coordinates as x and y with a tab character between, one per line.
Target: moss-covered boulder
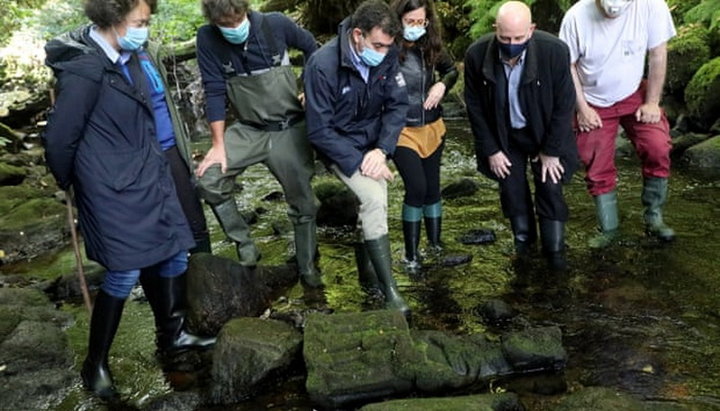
31	223
535	349
703	93
685	141
11	175
482	402
687	52
248	352
705	155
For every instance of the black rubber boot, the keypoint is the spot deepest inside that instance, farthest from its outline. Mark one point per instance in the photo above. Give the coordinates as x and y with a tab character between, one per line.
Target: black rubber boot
433	227
166	296
379	252
411	234
95	372
305	253
238	231
552	233
524	233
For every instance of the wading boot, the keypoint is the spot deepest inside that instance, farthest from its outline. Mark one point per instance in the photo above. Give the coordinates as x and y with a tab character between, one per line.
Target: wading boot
433	226
607	214
524	234
305	252
654	195
411	221
95	372
552	235
238	231
166	296
379	252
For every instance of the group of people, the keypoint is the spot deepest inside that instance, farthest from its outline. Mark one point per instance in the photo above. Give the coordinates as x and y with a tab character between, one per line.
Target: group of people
371	94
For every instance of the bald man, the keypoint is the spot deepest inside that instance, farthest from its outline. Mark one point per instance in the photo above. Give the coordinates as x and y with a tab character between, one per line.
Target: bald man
520	101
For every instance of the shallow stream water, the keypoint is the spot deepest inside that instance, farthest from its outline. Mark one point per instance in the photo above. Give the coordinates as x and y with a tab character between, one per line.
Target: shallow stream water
640	316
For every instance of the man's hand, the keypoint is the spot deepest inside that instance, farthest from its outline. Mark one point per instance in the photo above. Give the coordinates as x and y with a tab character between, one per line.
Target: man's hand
550	167
374	165
499	164
216	155
588	119
648	113
436	93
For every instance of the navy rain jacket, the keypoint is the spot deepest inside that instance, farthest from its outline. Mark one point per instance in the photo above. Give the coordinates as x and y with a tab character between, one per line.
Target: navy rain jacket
346	117
101	139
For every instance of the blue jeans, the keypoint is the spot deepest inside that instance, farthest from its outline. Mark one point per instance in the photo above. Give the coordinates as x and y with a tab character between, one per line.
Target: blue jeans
119	284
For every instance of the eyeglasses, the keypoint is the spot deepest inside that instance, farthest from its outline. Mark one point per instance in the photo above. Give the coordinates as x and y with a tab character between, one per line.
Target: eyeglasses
416	23
138	23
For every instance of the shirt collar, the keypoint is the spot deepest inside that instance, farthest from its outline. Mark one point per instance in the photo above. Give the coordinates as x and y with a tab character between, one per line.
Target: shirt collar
109	50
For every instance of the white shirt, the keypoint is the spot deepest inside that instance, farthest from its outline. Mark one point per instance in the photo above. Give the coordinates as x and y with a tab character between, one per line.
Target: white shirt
610	53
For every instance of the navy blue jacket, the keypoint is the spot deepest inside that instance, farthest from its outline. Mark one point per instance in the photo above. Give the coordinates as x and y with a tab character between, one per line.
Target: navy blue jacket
546	93
100	138
218	59
345	116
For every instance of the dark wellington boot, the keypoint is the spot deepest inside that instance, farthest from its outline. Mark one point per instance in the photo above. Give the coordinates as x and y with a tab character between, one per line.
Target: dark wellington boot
95	372
379	252
411	234
202	243
366	273
552	234
524	234
305	252
238	231
166	296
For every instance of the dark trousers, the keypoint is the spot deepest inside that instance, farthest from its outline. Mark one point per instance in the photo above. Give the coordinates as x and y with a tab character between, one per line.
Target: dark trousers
515	196
186	193
421	176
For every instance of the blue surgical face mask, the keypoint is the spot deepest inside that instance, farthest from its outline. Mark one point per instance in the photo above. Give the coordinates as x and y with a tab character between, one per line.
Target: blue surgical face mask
133	39
510	51
413	33
236	35
371	57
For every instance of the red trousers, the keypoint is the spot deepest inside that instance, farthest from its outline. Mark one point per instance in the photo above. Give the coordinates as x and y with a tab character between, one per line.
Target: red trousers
597	147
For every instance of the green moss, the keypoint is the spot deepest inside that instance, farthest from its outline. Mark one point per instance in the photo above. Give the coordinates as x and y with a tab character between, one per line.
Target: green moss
686	54
32	213
703	92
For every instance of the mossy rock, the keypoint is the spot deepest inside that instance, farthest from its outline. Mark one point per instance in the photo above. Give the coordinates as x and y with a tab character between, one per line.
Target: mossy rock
703	93
482	402
687	52
34	213
11	175
705	155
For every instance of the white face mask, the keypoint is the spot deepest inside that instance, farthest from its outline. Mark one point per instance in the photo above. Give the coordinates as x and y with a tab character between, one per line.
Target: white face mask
614	8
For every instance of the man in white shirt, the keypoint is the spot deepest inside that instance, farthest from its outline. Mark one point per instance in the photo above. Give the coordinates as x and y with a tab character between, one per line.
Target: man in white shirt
608	41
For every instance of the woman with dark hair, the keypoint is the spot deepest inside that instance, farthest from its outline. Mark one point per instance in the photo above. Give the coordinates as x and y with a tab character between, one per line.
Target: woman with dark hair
113	135
423	59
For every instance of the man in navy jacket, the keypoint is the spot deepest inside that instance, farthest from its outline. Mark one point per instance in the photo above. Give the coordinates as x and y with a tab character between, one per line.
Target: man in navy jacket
356	107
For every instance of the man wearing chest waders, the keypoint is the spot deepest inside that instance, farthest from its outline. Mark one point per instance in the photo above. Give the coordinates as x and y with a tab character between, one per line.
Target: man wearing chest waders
243	58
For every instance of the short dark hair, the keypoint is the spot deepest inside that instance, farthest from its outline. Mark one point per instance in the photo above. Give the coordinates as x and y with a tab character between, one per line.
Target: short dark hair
107	13
375	13
215	10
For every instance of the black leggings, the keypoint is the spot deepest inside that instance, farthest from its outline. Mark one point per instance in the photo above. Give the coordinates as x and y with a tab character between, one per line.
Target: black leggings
186	193
420	175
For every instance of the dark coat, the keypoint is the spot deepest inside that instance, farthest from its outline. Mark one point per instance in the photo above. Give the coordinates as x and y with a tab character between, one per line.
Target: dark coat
345	116
420	78
547	99
100	139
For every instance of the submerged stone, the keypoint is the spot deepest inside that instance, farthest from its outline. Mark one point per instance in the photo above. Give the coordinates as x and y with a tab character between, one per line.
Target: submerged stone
535	349
481	402
461	188
478	236
599	398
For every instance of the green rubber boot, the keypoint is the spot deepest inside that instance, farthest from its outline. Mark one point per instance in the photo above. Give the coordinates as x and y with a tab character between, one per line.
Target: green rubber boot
654	195
607	215
305	252
379	252
238	231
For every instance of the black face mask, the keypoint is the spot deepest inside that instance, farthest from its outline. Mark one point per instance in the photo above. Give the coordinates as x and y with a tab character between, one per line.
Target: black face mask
510	51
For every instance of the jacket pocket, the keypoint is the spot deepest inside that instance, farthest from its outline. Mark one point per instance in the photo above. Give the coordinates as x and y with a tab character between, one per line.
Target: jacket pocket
120	169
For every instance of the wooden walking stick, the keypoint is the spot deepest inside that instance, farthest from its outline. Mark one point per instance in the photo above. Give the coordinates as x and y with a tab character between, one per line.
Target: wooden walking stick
76	248
74	238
